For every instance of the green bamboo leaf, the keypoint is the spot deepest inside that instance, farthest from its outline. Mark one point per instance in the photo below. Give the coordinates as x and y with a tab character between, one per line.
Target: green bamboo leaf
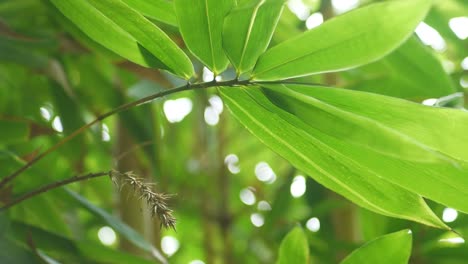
248	30
321	156
201	25
21	52
394	248
350	128
161	10
124	31
442	180
294	248
411	119
411	71
350	40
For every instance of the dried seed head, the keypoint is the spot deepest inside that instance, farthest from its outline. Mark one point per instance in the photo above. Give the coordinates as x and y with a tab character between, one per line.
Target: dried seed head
157	202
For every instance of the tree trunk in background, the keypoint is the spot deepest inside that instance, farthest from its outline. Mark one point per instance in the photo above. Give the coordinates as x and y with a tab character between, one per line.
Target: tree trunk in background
224	214
133	211
207	195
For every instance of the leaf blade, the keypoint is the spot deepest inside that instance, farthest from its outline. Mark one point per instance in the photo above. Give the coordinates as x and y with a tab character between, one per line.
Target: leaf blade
247	31
128	34
427	78
325	165
441	180
201	29
294	248
129	233
161	10
394	248
343	42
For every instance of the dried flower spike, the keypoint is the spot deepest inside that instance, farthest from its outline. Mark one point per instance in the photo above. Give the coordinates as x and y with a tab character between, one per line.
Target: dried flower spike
157	202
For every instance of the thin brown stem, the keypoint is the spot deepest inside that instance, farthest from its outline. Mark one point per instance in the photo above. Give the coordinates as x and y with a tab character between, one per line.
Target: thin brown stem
119	109
52	186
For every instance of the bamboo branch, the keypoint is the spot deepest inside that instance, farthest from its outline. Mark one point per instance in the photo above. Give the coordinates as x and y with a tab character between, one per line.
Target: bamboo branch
119	109
124	107
52	186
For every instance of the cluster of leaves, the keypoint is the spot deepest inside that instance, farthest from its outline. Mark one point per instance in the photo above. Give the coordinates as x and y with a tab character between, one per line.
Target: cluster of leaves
382	153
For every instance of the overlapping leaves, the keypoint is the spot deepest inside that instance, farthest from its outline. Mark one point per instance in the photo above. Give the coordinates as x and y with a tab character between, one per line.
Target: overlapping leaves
382	153
116	26
379	180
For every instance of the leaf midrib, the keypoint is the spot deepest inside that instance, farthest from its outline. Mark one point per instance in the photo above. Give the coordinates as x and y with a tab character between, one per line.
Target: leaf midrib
249	31
306	159
331	109
207	13
342	42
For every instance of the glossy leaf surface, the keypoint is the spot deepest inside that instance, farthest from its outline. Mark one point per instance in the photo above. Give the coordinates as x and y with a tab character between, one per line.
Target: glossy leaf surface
201	25
393	248
379	183
127	33
161	10
248	30
344	42
411	71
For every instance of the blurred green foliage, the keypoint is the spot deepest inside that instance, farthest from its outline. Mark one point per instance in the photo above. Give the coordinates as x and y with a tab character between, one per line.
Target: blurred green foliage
233	196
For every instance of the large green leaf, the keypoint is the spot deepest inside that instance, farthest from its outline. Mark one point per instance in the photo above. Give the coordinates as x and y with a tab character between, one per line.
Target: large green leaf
121	29
416	121
393	248
353	39
411	71
248	30
201	25
161	10
294	248
324	157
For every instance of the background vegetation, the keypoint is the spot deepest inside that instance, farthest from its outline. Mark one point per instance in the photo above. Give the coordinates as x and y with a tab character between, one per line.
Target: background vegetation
235	200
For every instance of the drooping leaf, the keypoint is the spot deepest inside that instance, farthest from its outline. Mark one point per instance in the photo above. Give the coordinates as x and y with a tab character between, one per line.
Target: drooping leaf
411	71
442	179
394	248
161	10
83	38
83	251
201	25
321	155
411	119
294	248
344	42
248	30
127	33
119	226
12	252
21	52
